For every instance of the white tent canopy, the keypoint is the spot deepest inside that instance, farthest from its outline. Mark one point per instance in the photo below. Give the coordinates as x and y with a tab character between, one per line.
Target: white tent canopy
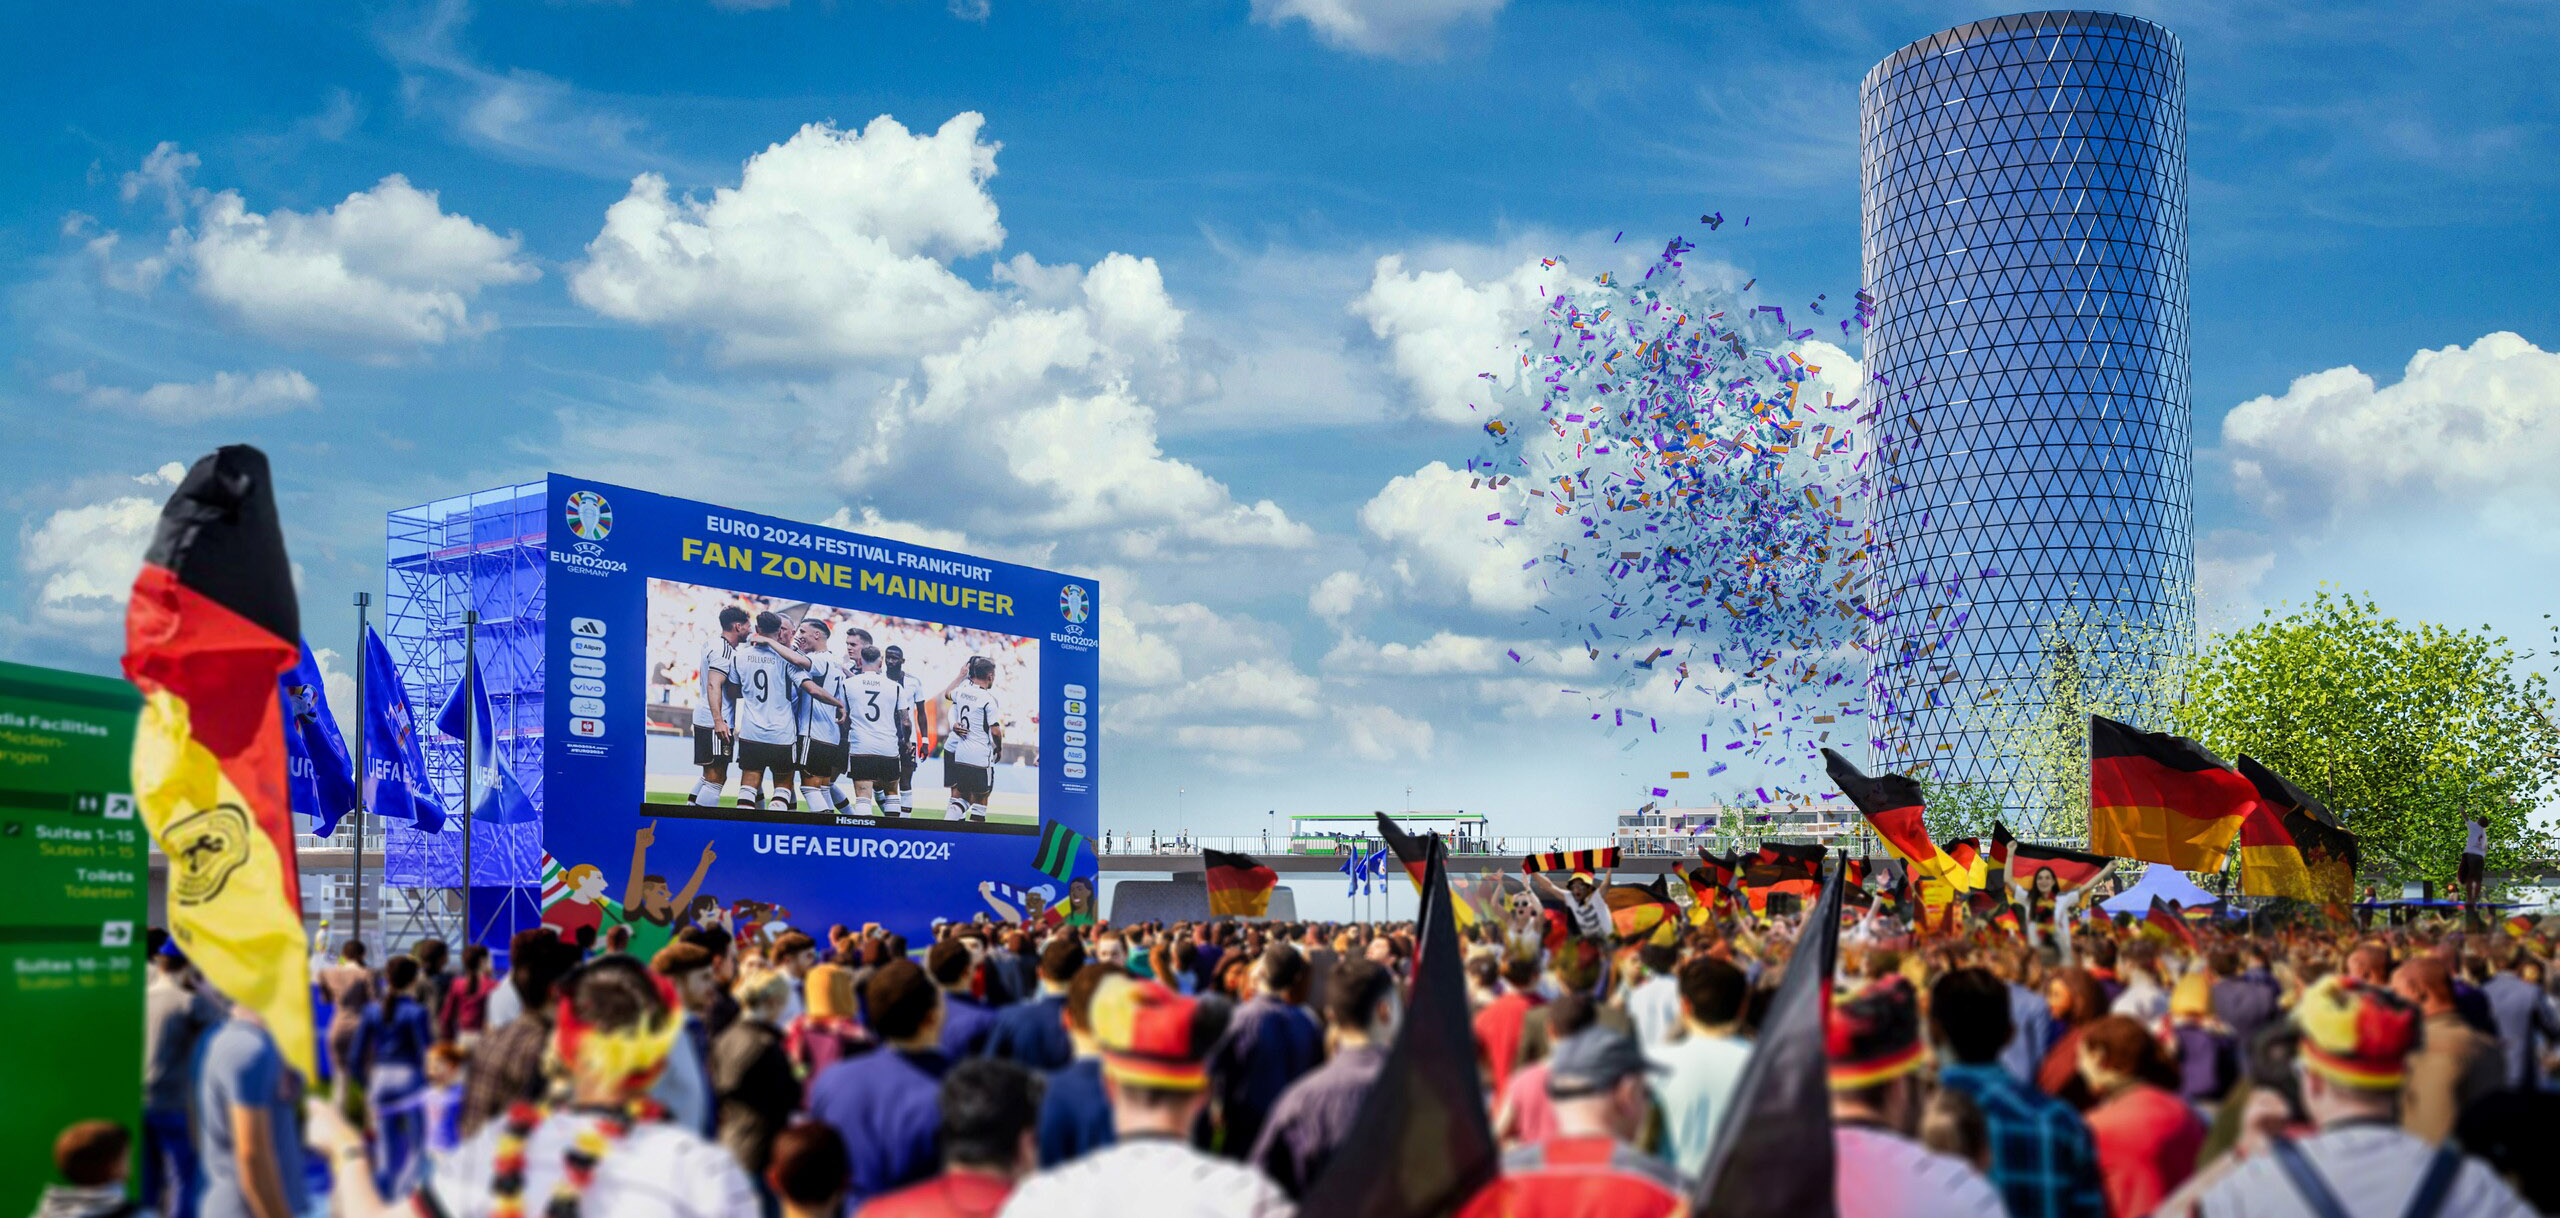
2163	881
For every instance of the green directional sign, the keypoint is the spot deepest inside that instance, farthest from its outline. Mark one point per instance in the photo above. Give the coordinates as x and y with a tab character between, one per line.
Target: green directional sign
74	883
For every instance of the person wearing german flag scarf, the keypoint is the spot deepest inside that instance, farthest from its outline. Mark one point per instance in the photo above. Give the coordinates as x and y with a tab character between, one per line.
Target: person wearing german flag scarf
601	1149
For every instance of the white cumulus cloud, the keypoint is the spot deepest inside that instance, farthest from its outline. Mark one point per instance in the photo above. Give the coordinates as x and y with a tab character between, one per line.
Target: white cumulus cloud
385	268
830	246
226	395
81	560
2461	421
1431	527
1378	733
1444	333
1031	405
1396	29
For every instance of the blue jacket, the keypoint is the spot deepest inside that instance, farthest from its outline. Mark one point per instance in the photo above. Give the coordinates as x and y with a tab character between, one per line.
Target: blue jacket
886	1105
1075	1113
1033	1033
966	1024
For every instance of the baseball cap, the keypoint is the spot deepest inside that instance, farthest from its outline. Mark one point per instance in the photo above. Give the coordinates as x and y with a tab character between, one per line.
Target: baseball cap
1873	1036
1592	1061
1153	1037
2357	1035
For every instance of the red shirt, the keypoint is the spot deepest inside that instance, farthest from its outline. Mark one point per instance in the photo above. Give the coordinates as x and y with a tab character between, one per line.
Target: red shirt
2147	1142
1578	1178
949	1195
1498	1028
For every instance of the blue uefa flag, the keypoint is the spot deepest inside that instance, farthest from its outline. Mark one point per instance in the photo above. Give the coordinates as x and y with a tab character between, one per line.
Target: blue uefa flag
395	779
1359	874
500	799
321	775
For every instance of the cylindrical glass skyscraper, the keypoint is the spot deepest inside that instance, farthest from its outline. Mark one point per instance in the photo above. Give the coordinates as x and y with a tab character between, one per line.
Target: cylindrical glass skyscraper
2024	189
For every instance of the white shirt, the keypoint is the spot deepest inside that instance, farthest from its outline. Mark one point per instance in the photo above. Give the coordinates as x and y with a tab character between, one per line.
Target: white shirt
655	1171
1590	914
1884	1176
972	709
1655	1008
2142	1001
1151	1176
817	719
716	658
873	698
2371	1168
2475	839
766	681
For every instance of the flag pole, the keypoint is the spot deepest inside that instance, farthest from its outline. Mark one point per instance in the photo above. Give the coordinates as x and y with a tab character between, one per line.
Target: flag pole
470	748
363	599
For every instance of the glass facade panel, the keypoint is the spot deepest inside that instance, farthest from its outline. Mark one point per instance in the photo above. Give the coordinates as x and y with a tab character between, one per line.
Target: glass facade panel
2025	240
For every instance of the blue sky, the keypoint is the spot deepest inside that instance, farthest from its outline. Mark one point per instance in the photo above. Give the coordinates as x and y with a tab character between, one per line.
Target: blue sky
417	249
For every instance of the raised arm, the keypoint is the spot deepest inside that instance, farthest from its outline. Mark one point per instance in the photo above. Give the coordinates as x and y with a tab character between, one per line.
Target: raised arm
640	843
684	900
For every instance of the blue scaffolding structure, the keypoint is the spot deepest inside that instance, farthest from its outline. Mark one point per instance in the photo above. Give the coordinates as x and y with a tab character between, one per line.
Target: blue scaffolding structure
482	551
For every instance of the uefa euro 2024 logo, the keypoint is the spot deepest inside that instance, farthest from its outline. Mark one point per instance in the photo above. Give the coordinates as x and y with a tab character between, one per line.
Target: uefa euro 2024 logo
590	517
1073	604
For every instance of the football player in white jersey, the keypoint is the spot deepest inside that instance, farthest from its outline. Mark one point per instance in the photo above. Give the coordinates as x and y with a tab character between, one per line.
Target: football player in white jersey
767	672
821	716
911	700
714	706
977	739
873	724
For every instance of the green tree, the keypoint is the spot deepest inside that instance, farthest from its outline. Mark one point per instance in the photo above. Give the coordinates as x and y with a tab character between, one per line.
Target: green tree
2405	730
1960	809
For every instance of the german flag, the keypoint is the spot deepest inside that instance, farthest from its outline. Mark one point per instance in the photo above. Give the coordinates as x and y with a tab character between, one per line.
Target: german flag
1711	882
1991	890
1596	860
1965	873
212	623
1782	868
2162	798
2291	846
1773	1154
1239	885
1643	912
1415	854
1893	807
2166	920
2072	869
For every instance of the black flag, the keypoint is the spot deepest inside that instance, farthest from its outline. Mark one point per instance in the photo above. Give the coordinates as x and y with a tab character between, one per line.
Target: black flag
1421	1144
1772	1157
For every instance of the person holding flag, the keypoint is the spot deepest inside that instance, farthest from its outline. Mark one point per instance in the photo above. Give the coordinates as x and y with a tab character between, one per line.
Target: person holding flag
210	628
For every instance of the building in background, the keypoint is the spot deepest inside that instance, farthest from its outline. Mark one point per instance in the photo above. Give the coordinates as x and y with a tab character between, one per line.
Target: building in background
2024	206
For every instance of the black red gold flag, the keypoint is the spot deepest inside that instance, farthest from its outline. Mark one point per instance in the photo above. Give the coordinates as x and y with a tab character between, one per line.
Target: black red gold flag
2162	798
2293	847
1773	1155
1781	867
211	625
2166	920
2072	869
1893	807
1594	860
1239	885
1414	853
1421	1144
1641	912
